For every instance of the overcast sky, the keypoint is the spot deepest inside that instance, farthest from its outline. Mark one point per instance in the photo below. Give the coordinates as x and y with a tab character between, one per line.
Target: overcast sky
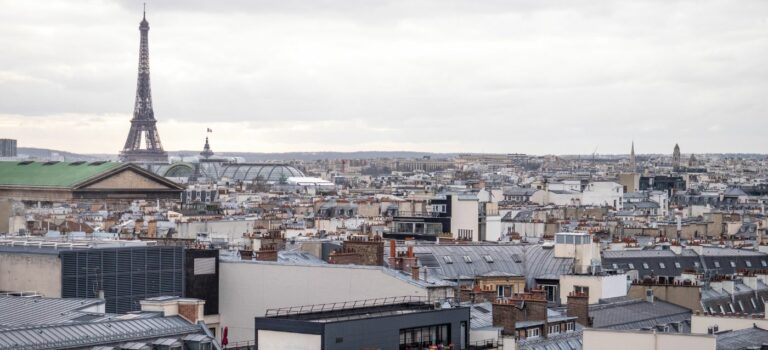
504	76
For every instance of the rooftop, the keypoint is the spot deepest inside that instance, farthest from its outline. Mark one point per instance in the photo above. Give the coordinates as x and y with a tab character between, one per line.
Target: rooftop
24	311
747	338
51	174
632	314
350	310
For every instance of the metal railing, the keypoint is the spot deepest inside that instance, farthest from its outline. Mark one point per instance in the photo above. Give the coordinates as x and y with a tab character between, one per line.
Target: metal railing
241	345
486	344
305	309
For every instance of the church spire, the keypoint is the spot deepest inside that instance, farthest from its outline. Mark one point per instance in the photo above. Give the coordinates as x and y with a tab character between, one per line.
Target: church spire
207	152
632	158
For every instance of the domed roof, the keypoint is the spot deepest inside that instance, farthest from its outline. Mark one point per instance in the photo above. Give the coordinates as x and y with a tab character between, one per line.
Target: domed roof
233	171
263	172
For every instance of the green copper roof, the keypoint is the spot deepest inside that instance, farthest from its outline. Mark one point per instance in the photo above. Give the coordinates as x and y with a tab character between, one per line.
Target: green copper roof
51	174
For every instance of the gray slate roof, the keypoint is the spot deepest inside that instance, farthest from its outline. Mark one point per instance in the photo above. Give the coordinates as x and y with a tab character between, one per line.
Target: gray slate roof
531	261
635	314
63	336
742	339
22	311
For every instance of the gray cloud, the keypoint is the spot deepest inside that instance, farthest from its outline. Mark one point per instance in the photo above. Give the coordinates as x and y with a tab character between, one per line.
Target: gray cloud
450	75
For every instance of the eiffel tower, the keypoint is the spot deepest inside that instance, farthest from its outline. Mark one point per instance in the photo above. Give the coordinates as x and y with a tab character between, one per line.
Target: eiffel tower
143	124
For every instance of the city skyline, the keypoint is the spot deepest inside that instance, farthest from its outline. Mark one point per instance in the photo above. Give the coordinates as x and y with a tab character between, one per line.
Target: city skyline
286	77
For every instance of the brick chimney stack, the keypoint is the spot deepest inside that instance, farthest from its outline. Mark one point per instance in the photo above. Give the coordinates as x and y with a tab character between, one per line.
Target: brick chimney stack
415	272
393	254
409	260
520	307
578	306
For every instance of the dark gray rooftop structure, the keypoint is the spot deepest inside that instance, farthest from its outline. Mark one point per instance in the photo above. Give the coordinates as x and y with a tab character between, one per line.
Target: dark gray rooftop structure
742	299
388	323
125	271
665	262
636	314
467	261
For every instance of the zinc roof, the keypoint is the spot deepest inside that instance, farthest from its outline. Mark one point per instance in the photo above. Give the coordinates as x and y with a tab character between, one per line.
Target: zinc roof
455	261
747	338
21	311
51	174
65	336
637	314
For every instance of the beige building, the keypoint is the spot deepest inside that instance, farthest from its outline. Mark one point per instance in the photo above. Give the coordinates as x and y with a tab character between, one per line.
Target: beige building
31	272
465	212
686	295
597	286
700	323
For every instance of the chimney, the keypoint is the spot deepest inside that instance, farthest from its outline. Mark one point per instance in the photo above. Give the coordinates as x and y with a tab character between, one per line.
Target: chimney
505	315
535	305
192	309
578	306
392	248
409	260
415	272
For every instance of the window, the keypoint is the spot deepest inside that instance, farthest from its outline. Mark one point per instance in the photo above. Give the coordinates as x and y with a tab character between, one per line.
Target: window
733	264
677	265
554	329
741	306
503	291
488	259
631	266
722	309
467	259
645	266
762	262
581	289
339	340
696	264
717	264
465	234
532	333
730	306
615	266
551	291
662	266
448	259
422	337
569	327
749	263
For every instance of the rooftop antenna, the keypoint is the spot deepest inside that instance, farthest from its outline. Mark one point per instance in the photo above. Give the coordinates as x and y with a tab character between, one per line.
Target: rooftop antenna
145	10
